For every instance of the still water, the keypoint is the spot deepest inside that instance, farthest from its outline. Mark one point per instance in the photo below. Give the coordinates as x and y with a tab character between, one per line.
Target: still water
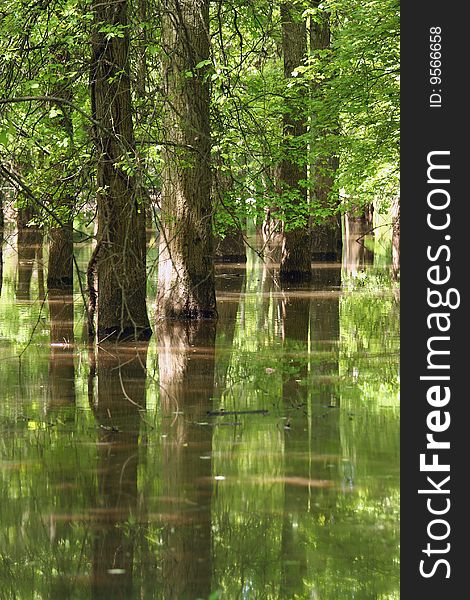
258	459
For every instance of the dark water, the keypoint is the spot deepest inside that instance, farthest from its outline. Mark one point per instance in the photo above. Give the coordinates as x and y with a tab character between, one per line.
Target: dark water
255	459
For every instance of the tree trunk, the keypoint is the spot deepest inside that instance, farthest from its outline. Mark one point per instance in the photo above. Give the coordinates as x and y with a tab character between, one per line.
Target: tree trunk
29	240
186	262
356	254
396	237
60	263
231	247
327	240
120	259
295	259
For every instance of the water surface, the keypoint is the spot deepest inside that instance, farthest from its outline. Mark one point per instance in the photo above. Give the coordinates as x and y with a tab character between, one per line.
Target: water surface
255	459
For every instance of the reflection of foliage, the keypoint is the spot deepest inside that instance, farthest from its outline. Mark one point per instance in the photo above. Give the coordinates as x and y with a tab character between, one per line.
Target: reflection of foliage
277	530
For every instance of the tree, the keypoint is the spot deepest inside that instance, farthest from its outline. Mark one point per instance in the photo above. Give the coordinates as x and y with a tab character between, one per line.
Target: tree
119	257
60	262
296	257
326	232
186	264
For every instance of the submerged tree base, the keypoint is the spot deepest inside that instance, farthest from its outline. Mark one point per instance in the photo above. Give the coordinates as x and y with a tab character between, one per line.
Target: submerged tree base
187	314
230	258
117	334
60	283
326	256
295	276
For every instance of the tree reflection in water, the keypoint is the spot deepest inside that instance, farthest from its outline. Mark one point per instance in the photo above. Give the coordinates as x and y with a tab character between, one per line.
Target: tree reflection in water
61	357
121	395
186	358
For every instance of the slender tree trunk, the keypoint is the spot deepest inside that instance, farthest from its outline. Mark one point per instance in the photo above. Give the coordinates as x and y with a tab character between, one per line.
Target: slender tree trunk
29	239
186	263
120	258
60	261
396	237
296	255
327	241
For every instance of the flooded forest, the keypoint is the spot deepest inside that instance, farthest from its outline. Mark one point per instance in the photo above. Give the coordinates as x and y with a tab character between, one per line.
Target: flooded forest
199	300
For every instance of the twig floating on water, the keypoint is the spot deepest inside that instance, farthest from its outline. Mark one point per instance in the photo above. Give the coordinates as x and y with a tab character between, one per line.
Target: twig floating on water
222	413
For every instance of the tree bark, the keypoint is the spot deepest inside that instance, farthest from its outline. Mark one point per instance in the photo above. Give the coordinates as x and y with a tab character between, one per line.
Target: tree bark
396	237
186	262
29	240
121	256
295	258
60	262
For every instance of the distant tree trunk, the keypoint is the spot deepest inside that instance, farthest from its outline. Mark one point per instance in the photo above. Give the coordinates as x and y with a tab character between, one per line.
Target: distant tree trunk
326	236
229	247
29	239
356	254
60	263
296	254
120	257
186	262
396	237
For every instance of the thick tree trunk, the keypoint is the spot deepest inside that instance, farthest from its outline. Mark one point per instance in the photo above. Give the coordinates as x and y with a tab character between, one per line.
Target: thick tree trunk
296	255
327	241
60	263
295	311
186	262
120	257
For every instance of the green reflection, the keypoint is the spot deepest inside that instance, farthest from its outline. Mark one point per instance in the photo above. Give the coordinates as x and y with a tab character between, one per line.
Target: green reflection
115	481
